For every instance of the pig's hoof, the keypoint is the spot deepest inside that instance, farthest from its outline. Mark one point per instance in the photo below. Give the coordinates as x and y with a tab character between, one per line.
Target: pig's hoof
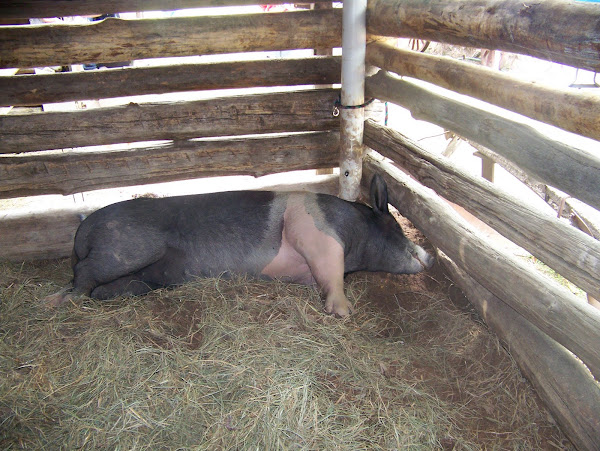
339	307
59	298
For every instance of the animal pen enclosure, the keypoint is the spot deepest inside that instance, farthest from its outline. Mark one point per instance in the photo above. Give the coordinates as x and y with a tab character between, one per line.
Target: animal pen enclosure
285	129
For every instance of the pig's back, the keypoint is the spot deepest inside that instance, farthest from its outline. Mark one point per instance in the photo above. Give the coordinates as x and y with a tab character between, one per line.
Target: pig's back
214	233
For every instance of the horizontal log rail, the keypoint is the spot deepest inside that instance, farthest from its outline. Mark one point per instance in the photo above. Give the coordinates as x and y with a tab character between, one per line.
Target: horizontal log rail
573	110
61	8
559	378
293	111
565	167
77	171
562	31
117	40
68	86
565	249
550	307
40	234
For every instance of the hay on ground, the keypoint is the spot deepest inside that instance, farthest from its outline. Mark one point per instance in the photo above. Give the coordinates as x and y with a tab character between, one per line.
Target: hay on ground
244	364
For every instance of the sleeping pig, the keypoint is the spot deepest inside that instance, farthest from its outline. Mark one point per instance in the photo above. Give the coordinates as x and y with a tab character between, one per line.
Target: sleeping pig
132	247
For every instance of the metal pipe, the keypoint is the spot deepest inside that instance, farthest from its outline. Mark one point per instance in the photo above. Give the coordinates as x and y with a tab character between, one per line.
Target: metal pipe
354	37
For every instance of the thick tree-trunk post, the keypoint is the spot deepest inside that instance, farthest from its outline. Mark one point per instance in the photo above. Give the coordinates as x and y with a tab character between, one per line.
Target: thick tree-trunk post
354	44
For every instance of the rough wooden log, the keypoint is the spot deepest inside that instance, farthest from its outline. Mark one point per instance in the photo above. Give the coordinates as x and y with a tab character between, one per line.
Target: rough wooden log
76	171
40	235
68	86
562	31
553	309
567	250
570	169
573	110
61	8
579	214
308	110
28	234
562	382
115	40
326	52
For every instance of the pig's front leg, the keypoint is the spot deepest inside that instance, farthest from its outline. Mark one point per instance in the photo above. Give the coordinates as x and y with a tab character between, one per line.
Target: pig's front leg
325	258
323	254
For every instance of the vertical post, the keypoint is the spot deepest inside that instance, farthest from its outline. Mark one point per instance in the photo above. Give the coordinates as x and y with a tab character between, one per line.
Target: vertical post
487	166
354	38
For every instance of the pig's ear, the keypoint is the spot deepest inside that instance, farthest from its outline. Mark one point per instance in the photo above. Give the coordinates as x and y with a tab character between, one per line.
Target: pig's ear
379	195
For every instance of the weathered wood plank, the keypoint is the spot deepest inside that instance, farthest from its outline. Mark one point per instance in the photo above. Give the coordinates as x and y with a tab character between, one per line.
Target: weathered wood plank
68	86
573	110
562	31
61	8
565	249
562	382
550	307
570	169
77	171
308	110
40	235
114	40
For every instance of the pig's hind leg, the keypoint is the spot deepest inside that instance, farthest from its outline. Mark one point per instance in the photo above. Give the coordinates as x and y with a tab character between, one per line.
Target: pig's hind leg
125	286
104	265
169	270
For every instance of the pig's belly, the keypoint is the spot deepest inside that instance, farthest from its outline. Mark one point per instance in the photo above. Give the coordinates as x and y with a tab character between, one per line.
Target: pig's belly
290	266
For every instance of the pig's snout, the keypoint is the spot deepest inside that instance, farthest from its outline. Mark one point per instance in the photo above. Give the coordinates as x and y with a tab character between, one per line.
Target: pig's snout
424	259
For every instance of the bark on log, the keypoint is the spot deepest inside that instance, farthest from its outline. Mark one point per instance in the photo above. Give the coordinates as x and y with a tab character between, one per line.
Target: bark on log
116	40
573	110
40	235
555	30
572	170
562	382
68	86
61	8
308	110
565	249
37	235
77	171
553	309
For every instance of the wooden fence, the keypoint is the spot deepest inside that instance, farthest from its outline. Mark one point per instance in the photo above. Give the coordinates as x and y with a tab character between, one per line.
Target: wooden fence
544	325
49	153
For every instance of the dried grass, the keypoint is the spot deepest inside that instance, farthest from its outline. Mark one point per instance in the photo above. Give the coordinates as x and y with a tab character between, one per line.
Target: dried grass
241	364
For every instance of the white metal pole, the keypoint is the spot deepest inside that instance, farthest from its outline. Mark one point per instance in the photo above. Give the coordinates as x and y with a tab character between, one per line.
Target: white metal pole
354	37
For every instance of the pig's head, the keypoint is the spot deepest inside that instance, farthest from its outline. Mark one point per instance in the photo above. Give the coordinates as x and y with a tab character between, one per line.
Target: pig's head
390	250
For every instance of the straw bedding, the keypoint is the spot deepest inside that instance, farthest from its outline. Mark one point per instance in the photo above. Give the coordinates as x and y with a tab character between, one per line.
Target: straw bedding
246	364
